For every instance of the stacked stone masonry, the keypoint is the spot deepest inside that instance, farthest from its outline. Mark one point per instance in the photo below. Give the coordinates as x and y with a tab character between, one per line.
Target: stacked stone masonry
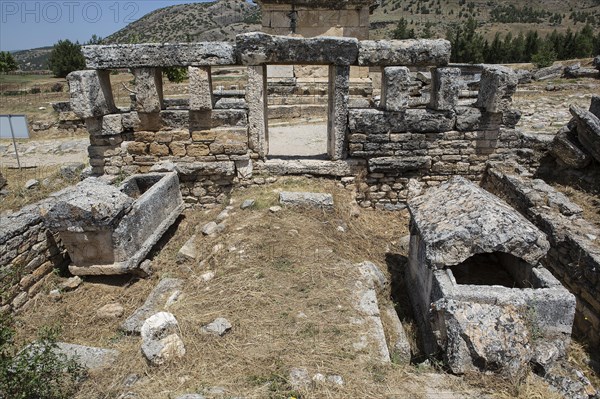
574	257
219	144
28	253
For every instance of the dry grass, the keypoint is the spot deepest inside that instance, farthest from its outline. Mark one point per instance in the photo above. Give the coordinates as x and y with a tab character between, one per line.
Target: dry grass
285	282
589	202
18	196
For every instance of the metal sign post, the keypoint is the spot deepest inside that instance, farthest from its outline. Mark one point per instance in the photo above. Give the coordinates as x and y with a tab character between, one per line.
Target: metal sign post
12	133
18	128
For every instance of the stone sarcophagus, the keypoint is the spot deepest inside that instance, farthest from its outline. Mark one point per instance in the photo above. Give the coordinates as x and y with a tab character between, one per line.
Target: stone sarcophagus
480	293
109	230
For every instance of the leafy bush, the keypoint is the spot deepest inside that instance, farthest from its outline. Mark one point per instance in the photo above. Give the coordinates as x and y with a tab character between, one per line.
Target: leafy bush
65	58
176	74
36	371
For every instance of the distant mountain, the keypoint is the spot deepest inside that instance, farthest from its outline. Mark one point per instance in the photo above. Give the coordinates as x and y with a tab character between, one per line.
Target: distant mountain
222	20
33	60
492	15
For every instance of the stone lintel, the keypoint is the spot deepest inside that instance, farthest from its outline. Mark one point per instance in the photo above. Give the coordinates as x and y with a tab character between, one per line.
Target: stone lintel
414	52
257	48
158	55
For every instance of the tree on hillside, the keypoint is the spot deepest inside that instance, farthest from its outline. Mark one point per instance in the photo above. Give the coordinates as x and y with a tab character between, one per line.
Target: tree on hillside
65	58
402	32
94	40
7	62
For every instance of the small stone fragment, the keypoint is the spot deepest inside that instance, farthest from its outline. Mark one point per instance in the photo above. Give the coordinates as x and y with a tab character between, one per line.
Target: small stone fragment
71	283
299	378
209	228
219	326
160	339
274	209
247	203
189	250
29	184
110	311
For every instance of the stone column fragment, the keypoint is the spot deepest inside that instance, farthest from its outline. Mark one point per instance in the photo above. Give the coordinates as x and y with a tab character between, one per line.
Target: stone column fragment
201	96
91	93
148	89
256	98
498	84
337	125
395	87
445	88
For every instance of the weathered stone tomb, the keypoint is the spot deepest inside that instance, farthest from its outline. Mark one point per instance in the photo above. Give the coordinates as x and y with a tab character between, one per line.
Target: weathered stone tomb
110	230
480	293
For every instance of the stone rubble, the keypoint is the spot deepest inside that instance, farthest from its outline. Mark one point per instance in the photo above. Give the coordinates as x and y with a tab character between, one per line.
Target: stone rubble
220	326
161	342
156	301
88	357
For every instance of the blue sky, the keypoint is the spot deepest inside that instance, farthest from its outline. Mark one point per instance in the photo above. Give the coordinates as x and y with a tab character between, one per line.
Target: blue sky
38	23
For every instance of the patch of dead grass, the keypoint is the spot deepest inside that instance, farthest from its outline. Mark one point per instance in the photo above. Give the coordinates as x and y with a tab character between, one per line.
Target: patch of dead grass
19	196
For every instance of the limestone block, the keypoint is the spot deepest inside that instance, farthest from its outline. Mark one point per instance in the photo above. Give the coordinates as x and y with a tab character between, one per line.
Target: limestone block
256	98
339	89
90	205
491	333
158	55
375	121
426	120
201	98
498	84
588	130
567	148
446	88
398	164
148	87
395	88
112	124
259	48
404	52
91	93
304	199
89	357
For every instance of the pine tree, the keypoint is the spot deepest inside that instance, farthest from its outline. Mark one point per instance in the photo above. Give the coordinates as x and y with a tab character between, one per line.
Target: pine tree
65	58
7	62
402	32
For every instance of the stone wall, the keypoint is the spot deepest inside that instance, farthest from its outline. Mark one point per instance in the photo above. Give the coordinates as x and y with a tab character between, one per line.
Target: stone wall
28	253
574	257
216	143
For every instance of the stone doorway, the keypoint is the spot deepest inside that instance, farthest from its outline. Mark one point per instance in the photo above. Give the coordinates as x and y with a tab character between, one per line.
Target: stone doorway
297	109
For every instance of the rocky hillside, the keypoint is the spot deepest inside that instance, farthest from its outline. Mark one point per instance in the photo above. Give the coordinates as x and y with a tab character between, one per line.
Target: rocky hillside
223	19
504	16
220	20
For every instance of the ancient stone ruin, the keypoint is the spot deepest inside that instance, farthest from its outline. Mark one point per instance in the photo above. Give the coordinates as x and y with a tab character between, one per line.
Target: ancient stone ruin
487	270
110	230
481	290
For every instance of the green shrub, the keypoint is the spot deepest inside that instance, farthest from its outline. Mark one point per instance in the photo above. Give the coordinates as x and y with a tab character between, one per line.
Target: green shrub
37	371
